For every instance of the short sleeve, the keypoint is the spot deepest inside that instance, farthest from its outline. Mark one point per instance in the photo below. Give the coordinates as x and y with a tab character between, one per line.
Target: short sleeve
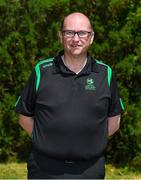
116	105
26	102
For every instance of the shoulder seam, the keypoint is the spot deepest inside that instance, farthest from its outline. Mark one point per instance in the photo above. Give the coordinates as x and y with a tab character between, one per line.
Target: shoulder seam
37	70
109	71
44	61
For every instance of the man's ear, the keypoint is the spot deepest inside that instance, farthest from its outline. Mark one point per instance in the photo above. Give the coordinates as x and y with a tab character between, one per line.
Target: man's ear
60	37
92	38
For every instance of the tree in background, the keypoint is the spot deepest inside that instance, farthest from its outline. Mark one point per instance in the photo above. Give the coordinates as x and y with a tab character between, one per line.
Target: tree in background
29	33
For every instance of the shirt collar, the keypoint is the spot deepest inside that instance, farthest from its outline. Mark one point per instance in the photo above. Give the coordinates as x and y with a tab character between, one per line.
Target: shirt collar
91	66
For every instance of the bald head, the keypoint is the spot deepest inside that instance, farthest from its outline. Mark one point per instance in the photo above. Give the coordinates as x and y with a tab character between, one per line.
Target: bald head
76	35
77	20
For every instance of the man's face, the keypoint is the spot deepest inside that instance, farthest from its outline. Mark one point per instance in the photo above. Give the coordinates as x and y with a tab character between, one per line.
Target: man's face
77	35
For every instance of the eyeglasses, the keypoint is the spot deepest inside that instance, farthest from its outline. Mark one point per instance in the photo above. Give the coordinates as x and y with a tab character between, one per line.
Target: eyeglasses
81	34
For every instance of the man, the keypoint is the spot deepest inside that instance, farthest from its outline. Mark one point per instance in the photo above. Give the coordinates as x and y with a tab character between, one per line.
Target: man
69	107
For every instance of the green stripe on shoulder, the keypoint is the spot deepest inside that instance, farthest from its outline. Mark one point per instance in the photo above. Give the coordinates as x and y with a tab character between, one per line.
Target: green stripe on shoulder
47	62
108	69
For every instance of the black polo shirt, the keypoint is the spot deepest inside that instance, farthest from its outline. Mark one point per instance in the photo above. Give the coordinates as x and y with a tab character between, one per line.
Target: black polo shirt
70	110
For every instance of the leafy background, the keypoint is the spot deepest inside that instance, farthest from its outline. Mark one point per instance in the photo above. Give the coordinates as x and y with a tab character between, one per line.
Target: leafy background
29	32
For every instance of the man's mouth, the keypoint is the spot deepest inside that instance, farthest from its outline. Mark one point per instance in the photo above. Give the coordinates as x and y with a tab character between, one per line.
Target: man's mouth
75	45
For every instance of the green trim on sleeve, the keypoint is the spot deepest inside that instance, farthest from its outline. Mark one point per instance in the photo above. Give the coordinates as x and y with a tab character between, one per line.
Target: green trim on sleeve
109	71
37	70
109	75
17	101
121	103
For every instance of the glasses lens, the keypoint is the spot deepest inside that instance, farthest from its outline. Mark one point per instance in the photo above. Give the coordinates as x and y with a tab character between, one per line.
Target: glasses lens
68	33
82	33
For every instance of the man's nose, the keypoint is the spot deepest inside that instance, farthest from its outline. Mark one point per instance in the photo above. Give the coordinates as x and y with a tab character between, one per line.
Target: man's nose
76	37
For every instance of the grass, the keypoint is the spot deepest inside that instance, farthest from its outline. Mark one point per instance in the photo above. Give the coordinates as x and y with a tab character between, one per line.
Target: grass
13	171
18	171
122	173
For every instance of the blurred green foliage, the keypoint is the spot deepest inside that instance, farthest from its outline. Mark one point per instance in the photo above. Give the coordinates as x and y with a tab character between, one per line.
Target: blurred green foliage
29	32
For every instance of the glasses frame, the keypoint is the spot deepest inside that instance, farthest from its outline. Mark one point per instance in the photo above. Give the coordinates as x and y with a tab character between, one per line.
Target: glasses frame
77	32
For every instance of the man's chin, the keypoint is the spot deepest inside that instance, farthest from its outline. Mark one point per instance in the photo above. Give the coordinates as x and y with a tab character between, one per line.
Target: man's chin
76	52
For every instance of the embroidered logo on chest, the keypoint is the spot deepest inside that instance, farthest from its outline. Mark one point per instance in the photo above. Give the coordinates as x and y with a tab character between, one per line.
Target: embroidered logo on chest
90	85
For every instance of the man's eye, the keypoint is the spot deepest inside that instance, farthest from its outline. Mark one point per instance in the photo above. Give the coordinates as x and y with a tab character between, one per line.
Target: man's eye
69	32
82	33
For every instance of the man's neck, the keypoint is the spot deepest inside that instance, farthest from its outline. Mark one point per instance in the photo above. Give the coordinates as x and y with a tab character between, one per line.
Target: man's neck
75	63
